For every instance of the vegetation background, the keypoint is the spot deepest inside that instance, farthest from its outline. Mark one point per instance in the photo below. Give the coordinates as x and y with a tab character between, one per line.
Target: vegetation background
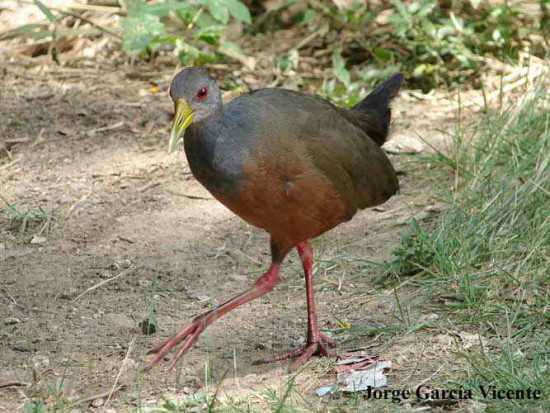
466	275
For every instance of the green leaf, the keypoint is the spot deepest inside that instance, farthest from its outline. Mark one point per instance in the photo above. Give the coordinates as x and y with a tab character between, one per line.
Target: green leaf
139	31
163	9
339	68
231	49
210	34
219	11
46	11
35	407
238	10
190	55
309	16
383	54
23	31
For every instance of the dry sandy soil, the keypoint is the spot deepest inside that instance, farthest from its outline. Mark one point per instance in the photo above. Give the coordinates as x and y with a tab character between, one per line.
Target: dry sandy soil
90	146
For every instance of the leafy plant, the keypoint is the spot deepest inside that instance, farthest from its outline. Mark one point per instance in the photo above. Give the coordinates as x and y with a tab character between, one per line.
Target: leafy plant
19	219
148	27
35	407
434	42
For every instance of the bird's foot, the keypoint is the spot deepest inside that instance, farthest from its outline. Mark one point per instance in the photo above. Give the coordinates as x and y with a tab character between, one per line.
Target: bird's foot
188	336
316	347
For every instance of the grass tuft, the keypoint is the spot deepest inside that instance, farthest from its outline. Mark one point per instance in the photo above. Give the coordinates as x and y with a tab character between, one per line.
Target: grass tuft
21	219
486	261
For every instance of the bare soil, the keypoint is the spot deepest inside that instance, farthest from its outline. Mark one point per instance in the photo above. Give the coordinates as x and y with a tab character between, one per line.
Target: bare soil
90	146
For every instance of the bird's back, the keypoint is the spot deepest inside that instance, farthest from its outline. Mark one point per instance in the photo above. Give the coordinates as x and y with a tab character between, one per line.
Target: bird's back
291	127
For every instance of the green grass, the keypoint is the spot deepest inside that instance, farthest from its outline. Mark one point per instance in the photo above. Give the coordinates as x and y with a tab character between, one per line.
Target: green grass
489	254
21	219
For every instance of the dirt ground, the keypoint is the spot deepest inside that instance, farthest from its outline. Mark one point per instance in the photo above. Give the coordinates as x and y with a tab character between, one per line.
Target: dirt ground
91	147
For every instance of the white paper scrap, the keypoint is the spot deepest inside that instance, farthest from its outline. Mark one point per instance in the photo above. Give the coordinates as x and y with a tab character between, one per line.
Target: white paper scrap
360	380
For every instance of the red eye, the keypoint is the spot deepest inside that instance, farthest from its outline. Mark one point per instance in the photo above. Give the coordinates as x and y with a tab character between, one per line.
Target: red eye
202	93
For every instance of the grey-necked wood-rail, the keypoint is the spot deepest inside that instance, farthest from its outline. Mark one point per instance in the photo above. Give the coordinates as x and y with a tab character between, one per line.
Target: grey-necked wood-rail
293	164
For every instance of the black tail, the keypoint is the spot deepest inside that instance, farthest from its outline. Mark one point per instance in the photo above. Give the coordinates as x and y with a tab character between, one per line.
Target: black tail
373	113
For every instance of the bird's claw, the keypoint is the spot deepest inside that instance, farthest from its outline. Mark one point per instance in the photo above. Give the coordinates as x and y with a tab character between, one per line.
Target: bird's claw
316	347
188	335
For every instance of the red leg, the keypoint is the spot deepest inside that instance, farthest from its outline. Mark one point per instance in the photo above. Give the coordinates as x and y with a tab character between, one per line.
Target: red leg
190	334
316	342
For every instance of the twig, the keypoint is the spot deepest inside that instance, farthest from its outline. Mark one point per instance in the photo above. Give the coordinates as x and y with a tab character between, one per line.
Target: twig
90	22
128	240
5	384
95	396
108	280
106	128
92	7
230	251
72	208
79	16
113	388
204	198
149	186
14	301
309	38
431	376
39	97
6	166
122	4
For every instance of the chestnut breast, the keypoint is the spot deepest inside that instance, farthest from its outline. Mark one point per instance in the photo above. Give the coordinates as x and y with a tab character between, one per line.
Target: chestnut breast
289	163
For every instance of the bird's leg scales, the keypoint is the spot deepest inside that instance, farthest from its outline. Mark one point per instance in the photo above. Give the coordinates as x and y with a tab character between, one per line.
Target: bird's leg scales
317	342
190	334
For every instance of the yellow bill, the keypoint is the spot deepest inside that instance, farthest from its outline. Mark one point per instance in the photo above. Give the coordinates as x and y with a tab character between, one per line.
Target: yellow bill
183	118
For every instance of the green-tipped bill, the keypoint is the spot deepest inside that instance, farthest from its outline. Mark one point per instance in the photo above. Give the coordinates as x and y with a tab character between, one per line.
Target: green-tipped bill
183	118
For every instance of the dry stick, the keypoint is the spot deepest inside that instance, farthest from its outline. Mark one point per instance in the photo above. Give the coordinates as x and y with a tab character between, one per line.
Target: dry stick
93	397
6	166
106	128
91	7
92	23
120	274
204	198
5	384
72	208
113	389
84	19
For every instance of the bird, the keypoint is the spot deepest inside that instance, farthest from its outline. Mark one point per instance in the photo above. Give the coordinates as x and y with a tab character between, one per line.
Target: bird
292	164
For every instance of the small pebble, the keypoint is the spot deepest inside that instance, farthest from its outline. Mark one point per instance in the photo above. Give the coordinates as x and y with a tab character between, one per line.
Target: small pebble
121	264
404	144
198	295
419	217
98	402
24	346
64	385
38	240
9	321
148	326
40	362
68	294
435	208
429	317
237	277
105	274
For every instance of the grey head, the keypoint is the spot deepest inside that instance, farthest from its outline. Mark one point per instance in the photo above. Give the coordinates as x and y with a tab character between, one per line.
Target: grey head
196	97
199	89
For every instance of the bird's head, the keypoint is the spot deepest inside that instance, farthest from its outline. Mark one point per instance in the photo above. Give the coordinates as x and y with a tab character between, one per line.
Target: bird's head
196	96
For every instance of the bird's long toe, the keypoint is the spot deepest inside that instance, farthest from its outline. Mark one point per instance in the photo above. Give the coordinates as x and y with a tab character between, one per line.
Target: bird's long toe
188	336
302	355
